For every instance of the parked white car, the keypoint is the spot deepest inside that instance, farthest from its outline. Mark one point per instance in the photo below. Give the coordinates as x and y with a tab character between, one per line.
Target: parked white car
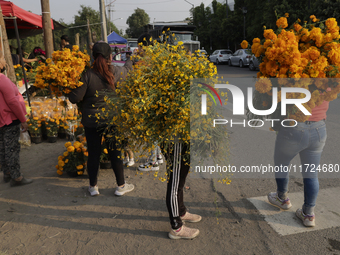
240	58
220	56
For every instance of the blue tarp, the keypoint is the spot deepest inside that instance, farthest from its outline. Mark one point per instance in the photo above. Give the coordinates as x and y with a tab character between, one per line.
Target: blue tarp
114	38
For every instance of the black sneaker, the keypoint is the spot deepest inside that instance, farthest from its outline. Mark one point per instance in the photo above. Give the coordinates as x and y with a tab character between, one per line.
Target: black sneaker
19	183
149	166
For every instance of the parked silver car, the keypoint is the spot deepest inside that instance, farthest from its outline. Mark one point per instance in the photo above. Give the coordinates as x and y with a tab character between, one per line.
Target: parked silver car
220	56
254	63
240	58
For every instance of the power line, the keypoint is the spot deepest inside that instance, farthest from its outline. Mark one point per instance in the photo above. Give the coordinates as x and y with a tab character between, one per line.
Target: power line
152	11
147	3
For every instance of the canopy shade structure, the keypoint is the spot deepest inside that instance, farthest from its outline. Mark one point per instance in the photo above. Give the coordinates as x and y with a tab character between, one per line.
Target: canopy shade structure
114	39
28	23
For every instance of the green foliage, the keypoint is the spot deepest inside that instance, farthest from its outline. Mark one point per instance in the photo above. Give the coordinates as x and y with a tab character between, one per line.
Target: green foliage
324	9
85	12
136	22
217	31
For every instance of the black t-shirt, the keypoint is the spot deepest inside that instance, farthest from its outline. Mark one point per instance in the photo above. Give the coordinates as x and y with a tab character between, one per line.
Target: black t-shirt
15	59
69	46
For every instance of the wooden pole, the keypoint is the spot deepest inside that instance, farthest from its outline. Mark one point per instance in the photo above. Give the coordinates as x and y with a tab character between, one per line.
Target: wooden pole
46	20
103	20
7	51
89	34
77	39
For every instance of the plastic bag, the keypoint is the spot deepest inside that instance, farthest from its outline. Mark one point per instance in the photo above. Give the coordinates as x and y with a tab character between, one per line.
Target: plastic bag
25	139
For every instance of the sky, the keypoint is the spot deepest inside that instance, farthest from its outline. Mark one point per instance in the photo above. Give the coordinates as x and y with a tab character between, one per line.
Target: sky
158	10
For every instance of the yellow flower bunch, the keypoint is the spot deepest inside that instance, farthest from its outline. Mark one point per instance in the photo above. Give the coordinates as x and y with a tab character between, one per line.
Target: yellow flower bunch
63	71
153	104
244	44
301	51
34	126
73	159
52	126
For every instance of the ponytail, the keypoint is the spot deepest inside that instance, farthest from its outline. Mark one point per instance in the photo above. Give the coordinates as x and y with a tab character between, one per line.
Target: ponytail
100	66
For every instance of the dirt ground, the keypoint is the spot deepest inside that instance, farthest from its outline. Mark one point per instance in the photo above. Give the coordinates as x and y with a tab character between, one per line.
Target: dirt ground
55	215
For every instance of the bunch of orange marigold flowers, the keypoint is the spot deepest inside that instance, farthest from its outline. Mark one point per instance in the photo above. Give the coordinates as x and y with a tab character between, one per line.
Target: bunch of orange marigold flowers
310	50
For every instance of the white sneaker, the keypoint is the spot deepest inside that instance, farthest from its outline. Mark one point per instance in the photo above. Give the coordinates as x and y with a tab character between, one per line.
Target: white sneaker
149	166
120	191
131	162
126	160
159	159
307	220
276	201
94	191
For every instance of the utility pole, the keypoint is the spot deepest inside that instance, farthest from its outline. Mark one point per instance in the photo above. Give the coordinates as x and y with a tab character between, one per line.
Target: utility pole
7	51
47	26
227	7
77	39
103	20
89	32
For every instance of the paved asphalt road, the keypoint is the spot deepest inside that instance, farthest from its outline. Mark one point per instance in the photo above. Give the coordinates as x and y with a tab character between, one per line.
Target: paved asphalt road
252	146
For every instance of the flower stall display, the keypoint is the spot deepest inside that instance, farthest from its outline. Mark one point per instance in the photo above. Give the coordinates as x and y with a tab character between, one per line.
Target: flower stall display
309	50
34	128
74	159
55	115
20	76
63	72
52	128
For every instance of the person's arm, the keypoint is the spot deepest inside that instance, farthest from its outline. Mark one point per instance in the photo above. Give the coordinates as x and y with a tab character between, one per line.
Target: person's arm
26	60
77	95
13	98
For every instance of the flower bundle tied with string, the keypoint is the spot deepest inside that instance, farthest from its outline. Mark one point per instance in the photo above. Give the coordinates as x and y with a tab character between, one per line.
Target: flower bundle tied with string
152	106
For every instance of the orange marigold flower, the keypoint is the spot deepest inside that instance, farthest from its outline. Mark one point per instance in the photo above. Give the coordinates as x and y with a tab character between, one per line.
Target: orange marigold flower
70	149
244	44
256	40
313	18
282	22
263	85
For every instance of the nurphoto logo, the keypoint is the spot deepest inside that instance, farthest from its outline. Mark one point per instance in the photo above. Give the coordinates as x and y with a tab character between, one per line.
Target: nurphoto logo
239	106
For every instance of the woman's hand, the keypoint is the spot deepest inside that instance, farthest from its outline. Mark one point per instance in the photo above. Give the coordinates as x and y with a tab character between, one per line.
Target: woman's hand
24	126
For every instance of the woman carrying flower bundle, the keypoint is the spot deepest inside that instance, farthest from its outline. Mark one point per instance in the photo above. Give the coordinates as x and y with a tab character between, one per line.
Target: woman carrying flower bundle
296	56
12	118
177	177
308	140
100	78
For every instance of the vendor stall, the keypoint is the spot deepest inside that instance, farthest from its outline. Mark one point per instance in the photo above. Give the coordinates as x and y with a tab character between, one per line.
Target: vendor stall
116	40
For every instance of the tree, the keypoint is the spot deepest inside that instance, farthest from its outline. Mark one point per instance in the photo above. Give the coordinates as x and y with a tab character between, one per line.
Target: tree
136	22
87	13
324	9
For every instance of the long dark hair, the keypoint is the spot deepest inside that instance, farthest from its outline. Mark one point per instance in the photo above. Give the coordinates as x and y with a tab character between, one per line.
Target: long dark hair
100	66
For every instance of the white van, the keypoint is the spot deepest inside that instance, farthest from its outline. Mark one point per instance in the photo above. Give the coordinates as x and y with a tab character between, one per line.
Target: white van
133	44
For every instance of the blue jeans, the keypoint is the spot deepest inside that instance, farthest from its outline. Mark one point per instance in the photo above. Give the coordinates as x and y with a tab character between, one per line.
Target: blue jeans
308	140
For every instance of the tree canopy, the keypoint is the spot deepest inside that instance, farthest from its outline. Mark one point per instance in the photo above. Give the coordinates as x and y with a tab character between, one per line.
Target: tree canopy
216	31
136	22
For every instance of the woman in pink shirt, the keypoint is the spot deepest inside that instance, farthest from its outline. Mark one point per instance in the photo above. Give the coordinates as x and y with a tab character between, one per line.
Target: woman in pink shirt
12	118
